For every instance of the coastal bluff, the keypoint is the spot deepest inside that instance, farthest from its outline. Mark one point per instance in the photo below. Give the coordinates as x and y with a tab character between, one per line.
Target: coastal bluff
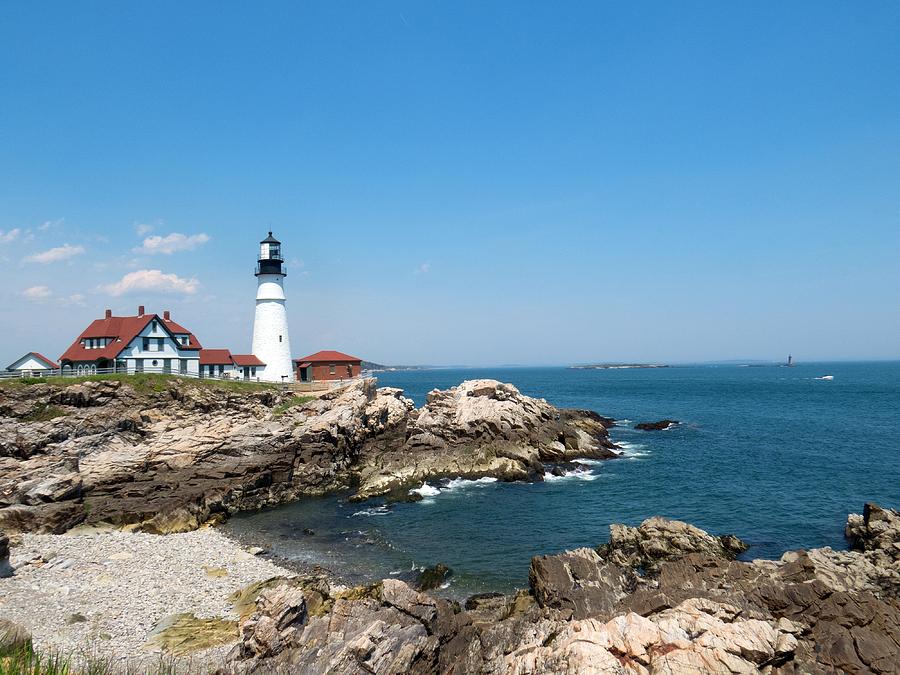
163	454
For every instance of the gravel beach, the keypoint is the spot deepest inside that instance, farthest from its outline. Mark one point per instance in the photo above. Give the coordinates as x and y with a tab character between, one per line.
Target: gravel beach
103	592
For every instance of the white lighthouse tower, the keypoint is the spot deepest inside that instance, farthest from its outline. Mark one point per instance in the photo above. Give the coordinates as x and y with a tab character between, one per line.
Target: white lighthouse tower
271	343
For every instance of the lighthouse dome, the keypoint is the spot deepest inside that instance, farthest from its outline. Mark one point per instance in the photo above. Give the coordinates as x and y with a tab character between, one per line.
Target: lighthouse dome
270	259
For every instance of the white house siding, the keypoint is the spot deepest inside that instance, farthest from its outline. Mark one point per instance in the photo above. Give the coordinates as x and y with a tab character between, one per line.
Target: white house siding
168	350
29	364
271	343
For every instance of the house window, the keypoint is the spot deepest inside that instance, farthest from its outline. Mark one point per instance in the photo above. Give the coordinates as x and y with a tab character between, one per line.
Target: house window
253	371
146	345
153	327
159	344
183	366
279	338
332	369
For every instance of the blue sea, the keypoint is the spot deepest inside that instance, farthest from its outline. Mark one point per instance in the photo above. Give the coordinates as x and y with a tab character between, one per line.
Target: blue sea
771	454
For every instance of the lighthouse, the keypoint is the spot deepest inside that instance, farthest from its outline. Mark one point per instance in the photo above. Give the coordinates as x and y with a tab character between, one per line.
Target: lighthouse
271	343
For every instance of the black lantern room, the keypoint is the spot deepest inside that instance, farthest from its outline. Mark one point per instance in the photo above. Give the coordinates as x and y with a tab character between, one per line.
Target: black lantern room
270	260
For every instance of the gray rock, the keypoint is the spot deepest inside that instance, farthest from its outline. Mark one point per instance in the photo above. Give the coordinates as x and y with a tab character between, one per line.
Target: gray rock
6	569
14	639
579	582
659	539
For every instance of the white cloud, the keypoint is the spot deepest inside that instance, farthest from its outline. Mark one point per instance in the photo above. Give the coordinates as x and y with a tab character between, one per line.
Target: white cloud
37	292
424	268
143	228
154	281
47	224
74	299
63	252
171	243
11	235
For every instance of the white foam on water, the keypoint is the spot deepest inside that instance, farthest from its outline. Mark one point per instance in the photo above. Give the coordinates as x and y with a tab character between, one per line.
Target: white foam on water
622	423
427	490
462	483
633	450
374	511
580	474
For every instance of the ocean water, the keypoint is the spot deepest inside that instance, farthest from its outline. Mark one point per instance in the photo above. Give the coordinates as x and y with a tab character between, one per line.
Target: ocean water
771	454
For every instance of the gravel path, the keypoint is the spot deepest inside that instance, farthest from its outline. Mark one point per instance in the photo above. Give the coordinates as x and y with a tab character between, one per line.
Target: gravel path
102	593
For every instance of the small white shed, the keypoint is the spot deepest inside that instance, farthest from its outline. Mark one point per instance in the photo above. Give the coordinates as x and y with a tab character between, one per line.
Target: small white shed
32	364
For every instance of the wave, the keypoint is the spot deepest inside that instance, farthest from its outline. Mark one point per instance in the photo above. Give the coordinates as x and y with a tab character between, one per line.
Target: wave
374	511
633	450
426	490
580	473
462	483
449	485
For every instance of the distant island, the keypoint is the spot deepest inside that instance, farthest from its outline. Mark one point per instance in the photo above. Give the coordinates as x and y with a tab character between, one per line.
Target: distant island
616	366
369	366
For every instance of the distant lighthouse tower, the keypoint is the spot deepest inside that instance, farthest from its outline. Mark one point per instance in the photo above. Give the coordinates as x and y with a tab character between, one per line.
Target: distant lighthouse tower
271	343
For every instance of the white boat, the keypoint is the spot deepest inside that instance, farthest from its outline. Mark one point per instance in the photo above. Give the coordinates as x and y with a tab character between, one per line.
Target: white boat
825	377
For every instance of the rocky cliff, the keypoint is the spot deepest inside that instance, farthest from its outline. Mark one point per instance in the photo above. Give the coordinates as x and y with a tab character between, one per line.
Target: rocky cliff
664	597
166	454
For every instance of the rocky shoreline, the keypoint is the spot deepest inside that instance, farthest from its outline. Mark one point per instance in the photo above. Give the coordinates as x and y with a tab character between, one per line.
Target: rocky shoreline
173	454
663	597
116	463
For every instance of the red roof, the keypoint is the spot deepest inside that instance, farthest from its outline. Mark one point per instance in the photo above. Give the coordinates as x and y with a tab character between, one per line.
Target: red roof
215	357
246	360
122	330
178	329
328	356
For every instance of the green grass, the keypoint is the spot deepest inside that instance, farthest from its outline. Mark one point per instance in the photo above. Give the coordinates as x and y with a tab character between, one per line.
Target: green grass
142	382
44	413
28	662
294	401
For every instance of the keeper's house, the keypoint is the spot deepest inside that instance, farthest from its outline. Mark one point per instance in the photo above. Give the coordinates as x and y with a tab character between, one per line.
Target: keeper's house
32	364
133	344
327	365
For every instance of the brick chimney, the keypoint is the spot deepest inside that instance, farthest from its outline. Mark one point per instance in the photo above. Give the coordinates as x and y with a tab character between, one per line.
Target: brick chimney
166	315
109	314
140	310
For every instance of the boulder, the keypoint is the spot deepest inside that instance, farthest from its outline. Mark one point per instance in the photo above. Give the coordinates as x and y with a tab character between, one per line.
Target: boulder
662	425
659	539
432	577
14	639
876	529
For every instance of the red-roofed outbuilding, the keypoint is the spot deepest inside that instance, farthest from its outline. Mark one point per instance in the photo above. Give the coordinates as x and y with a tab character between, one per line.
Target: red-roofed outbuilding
327	365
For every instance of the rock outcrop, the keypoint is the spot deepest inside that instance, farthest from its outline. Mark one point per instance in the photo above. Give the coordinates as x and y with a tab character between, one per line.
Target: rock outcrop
695	609
657	540
662	425
173	454
479	428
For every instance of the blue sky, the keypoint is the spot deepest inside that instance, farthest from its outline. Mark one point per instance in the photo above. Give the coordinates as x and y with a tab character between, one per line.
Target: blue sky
459	183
